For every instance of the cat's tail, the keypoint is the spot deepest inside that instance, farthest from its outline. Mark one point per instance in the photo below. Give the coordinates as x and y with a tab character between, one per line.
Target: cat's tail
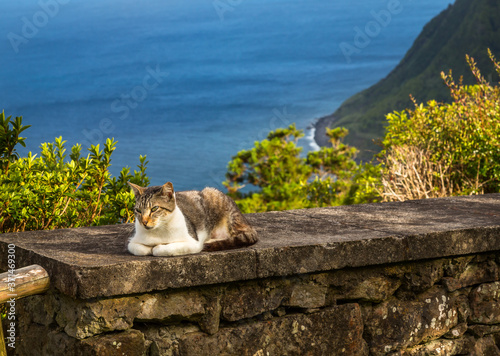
241	235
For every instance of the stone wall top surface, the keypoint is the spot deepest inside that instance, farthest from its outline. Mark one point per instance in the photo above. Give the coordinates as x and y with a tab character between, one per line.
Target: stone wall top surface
94	262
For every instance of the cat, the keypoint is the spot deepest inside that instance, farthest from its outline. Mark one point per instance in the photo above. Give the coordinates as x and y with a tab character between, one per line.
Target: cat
169	223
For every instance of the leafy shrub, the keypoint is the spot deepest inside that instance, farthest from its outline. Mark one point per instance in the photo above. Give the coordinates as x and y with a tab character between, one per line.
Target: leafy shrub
441	149
51	191
433	150
285	180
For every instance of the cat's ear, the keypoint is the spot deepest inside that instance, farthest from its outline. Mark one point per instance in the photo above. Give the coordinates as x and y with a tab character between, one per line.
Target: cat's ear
167	190
137	189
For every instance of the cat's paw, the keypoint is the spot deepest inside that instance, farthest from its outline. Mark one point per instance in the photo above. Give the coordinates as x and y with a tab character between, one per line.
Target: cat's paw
165	250
176	249
139	249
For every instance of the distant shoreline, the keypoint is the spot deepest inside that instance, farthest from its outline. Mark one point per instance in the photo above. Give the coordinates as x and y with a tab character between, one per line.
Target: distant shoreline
320	128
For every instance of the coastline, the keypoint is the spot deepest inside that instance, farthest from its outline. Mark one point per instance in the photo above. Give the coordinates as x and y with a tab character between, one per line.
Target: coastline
320	126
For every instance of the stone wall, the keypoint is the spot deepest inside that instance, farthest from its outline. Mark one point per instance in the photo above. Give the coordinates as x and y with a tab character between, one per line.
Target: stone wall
303	290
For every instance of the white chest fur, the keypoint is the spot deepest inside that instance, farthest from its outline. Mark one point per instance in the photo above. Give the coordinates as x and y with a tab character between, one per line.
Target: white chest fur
172	229
169	238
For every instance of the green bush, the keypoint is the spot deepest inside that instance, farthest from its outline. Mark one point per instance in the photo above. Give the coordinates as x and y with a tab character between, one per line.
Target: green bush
285	180
52	191
445	149
433	150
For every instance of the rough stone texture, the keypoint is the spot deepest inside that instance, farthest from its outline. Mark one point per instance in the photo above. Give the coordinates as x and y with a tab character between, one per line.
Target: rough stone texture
83	318
485	304
251	299
461	299
313	334
457	265
462	346
456	332
397	317
47	341
93	262
486	346
164	340
473	273
422	276
307	294
397	324
413	278
373	284
129	342
483	330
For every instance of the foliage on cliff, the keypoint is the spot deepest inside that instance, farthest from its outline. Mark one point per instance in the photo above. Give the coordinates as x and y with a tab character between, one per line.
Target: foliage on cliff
441	149
432	150
52	191
282	179
465	27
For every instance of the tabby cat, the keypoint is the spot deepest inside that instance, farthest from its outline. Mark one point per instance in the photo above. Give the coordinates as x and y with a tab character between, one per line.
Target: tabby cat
169	223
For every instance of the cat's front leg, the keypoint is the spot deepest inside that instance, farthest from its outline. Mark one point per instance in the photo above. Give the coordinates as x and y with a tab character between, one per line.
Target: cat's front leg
177	249
139	249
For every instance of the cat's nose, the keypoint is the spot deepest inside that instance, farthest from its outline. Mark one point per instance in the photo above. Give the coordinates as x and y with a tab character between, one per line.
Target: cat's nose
145	222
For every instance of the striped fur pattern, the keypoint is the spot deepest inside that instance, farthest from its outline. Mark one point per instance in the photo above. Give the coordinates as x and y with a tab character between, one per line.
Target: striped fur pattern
169	223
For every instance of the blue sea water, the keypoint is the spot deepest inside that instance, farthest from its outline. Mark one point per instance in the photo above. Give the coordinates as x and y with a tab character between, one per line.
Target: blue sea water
190	83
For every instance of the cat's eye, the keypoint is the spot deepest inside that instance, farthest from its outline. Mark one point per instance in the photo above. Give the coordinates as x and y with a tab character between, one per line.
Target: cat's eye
137	210
154	208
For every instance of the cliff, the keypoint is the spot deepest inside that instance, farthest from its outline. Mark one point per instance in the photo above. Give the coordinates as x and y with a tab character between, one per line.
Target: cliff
466	27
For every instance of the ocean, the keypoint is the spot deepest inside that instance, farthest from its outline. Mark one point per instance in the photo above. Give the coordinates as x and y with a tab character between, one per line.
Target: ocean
190	83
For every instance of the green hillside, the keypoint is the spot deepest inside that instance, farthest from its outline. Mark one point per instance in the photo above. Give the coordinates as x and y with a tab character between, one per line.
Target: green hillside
466	27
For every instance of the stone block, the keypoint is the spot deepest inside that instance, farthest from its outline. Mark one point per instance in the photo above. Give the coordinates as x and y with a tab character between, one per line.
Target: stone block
496	337
130	342
169	306
483	330
374	284
462	304
164	340
456	332
374	289
338	329
241	301
440	347
39	309
421	276
307	294
210	320
485	304
457	265
46	341
472	275
399	324
486	347
82	318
